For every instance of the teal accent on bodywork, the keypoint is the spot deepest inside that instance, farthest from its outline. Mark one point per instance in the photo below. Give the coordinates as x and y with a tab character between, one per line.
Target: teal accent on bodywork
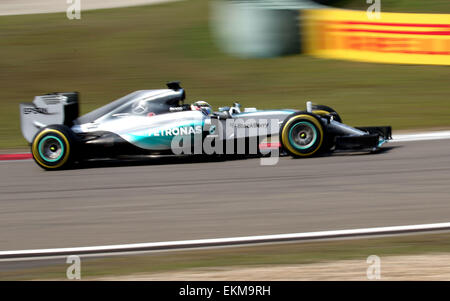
212	129
144	139
150	141
40	148
381	142
292	142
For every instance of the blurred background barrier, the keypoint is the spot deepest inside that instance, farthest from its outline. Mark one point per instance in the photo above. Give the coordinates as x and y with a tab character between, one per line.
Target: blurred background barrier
394	38
268	28
261	28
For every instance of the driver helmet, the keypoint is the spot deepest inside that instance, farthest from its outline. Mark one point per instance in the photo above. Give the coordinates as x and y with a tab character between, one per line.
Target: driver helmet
202	106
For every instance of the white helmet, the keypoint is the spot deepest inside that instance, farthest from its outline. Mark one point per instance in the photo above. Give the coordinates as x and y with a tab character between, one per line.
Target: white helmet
202	106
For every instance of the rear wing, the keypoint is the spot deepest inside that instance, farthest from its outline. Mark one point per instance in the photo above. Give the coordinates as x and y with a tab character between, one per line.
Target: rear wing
53	108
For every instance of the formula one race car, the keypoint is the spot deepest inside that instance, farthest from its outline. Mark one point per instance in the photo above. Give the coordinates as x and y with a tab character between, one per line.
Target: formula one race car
157	122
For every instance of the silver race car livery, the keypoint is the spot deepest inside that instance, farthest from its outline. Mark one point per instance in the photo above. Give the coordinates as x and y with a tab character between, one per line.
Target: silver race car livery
158	122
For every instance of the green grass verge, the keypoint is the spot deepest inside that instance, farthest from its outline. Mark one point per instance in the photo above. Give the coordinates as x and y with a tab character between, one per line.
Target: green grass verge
279	254
109	53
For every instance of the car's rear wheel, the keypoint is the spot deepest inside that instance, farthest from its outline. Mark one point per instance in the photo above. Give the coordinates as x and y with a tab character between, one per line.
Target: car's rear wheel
302	134
53	147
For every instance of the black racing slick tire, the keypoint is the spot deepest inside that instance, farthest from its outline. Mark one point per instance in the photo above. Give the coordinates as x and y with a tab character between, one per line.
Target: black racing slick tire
326	110
302	134
53	147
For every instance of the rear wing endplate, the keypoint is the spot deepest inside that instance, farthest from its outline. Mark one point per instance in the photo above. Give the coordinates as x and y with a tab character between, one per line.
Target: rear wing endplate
54	108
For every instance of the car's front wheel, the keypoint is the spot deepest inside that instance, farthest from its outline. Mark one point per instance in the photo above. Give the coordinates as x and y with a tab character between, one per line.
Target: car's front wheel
53	147
302	134
325	110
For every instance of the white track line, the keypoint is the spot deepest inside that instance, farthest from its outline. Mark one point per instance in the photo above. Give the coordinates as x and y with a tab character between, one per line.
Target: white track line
424	136
218	242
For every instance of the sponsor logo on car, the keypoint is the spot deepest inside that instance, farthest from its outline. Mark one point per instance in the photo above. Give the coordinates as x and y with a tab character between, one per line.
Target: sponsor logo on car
36	110
176	131
251	124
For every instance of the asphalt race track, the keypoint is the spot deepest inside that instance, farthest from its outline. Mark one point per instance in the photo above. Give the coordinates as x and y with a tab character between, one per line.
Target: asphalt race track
407	184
